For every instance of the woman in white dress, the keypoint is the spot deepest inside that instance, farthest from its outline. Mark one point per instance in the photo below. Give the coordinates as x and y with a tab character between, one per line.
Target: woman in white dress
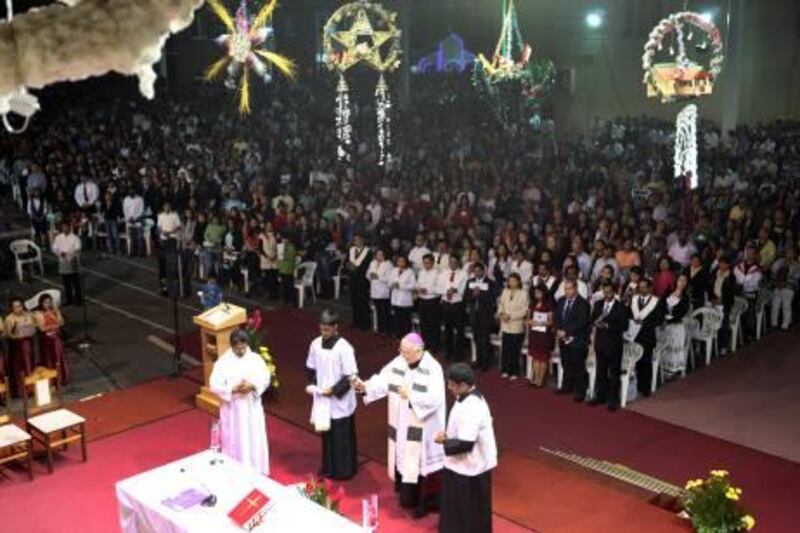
677	306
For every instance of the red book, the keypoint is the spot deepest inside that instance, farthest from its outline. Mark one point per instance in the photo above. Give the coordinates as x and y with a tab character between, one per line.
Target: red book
249	512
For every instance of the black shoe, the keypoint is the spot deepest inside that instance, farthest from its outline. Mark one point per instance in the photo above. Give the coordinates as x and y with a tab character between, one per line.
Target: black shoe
420	514
596	402
612	407
563	391
580	398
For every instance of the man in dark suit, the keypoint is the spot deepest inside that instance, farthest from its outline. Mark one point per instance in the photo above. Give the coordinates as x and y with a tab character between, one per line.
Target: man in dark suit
481	298
572	317
610	319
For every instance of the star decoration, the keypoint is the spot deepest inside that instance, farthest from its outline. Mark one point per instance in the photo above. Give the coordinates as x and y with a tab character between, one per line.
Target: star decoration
361	41
245	50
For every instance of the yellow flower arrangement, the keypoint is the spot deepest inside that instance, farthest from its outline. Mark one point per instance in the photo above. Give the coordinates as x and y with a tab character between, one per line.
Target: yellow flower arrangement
713	505
269	360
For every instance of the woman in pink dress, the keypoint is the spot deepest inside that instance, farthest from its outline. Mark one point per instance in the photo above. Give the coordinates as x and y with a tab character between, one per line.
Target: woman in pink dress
542	336
49	321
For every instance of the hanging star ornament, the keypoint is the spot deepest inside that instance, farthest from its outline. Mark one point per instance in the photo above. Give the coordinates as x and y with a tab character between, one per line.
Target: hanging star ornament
246	44
372	37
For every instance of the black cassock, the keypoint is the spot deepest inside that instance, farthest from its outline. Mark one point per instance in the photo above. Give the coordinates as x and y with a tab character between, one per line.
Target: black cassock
339	450
466	503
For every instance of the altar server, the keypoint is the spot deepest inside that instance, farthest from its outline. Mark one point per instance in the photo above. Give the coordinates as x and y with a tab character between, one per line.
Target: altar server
331	365
239	378
414	384
470	456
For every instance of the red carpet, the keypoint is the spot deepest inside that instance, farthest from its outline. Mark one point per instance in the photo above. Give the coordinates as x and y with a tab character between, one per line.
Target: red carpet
79	493
528	419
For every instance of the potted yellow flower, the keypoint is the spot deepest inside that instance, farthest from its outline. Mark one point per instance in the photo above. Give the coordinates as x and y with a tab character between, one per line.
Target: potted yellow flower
713	506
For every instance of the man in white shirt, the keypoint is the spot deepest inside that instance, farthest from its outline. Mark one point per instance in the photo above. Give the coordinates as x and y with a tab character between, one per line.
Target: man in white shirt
428	303
523	268
87	194
419	251
571	274
358	260
379	291
86	198
67	247
583	259
470	455
451	284
441	257
169	225
402	283
133	212
331	366
682	249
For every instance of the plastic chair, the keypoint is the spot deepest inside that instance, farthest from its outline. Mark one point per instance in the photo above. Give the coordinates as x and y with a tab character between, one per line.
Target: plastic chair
374	313
33	302
304	279
26	252
16	445
631	353
740	305
711	322
339	278
691	325
556	367
763	299
658	370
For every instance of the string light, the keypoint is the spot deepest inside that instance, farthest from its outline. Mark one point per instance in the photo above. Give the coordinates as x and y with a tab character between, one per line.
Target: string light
383	106
686	144
344	129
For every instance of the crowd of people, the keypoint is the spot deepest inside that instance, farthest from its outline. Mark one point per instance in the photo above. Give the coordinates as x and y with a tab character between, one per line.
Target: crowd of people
473	228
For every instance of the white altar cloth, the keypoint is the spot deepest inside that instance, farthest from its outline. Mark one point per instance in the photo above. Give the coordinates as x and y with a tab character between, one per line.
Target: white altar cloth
141	510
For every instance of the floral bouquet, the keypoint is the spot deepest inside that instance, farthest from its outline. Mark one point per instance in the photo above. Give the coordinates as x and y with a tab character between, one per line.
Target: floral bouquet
254	336
713	505
321	492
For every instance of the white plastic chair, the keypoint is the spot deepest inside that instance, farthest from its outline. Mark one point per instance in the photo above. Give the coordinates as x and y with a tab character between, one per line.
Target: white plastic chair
415	322
591	369
339	278
374	312
691	325
631	353
304	279
556	367
473	349
125	236
740	305
763	299
33	302
711	322
26	252
658	370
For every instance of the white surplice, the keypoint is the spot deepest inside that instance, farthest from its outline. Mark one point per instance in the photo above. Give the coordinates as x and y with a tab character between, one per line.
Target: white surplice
241	416
426	400
331	365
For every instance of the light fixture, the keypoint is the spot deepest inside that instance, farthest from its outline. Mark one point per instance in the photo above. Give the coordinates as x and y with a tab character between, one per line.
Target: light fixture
594	19
708	16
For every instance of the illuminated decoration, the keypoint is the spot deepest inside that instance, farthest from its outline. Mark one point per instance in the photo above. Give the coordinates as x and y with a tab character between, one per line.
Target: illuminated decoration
247	47
344	131
79	39
681	76
362	32
450	56
513	70
383	107
686	145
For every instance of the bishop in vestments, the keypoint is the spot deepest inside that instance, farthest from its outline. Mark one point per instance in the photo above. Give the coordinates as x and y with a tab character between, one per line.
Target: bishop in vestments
239	378
331	366
414	384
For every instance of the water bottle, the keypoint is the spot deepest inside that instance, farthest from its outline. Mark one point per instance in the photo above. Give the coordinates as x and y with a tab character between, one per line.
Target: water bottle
369	513
216	445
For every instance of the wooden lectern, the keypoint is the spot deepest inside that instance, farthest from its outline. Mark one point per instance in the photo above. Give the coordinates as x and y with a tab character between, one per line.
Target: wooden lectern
216	325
